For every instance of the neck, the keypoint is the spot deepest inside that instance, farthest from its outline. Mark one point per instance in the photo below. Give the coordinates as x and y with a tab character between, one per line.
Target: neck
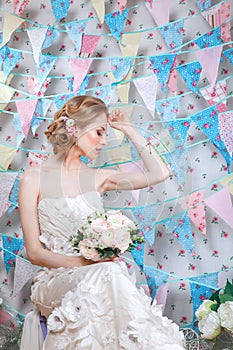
72	159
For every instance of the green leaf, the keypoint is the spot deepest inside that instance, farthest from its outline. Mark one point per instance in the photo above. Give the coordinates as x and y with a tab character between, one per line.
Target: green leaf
225	297
215	296
214	307
228	288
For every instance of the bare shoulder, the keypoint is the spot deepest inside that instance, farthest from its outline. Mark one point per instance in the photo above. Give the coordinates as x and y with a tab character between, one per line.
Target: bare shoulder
30	179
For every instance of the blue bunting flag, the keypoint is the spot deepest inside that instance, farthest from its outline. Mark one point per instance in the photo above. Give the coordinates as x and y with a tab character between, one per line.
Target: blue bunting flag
210	39
11	247
173	33
45	65
229	55
168	108
18	130
120	67
146	219
9	58
51	35
14	196
177	161
155	279
203	4
75	32
178	130
115	22
60	8
191	72
60	100
180	227
162	67
40	113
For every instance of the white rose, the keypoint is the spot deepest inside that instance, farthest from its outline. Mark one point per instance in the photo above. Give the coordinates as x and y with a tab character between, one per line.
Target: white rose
87	250
123	239
210	326
225	312
99	225
108	238
56	321
117	220
204	309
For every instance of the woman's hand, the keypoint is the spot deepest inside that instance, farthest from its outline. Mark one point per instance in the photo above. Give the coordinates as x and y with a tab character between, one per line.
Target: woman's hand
118	120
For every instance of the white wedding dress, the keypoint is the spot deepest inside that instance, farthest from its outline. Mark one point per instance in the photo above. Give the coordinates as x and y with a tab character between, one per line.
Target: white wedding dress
95	307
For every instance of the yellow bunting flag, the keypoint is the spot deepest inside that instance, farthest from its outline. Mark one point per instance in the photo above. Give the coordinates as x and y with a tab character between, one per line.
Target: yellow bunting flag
11	23
228	181
120	154
6	93
6	156
123	92
99	7
130	43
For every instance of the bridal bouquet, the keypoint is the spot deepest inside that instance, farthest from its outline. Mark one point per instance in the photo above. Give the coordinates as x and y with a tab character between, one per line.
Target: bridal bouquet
106	234
215	315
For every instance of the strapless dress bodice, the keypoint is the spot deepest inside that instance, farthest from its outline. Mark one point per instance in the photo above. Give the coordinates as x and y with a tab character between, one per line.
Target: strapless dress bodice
60	218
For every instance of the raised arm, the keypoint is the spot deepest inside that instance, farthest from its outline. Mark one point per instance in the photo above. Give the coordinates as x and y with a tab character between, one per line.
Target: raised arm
28	201
155	169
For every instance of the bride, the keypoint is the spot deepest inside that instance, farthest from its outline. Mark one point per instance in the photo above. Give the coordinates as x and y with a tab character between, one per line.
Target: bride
88	305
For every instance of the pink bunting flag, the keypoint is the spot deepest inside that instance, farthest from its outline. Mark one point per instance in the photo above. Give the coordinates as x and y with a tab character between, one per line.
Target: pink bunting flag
216	94
19	6
196	211
35	88
159	10
24	271
36	158
37	37
209	60
6	183
26	109
147	88
225	123
121	5
89	43
221	203
80	68
161	295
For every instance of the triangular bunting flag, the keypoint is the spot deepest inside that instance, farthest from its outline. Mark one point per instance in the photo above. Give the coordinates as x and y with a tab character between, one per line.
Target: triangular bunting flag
180	227
225	211
45	65
120	67
6	156
80	68
6	183
202	287
130	43
6	93
51	35
159	10
190	72
146	219
10	58
26	110
36	37
104	93
155	279
173	34
4	317
24	271
196	210
228	182
203	4
168	108
225	121
89	44
99	7
60	8
210	39
14	196
172	81
123	92
210	59
75	32
115	22
147	88
19	6
39	114
207	120
11	247
178	130
138	255
229	55
161	67
121	5
18	130
36	158
216	94
11	23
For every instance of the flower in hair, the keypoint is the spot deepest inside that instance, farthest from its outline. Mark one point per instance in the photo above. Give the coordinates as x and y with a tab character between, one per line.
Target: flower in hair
69	124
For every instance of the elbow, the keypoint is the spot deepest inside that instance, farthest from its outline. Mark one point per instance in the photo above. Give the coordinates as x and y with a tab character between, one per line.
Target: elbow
33	257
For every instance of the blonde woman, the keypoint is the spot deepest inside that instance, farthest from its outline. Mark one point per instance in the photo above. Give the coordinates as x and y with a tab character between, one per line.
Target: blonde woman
87	304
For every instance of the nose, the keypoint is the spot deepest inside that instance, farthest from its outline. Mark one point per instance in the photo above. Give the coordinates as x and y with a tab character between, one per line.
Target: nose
103	140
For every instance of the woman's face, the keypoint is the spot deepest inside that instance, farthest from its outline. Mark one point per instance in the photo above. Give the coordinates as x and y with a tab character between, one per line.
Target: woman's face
92	138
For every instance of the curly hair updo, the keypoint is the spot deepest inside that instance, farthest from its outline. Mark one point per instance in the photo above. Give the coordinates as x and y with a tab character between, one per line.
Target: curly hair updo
81	109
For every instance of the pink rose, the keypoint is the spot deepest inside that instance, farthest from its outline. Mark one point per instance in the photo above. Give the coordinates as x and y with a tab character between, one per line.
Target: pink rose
108	238
99	225
123	239
87	250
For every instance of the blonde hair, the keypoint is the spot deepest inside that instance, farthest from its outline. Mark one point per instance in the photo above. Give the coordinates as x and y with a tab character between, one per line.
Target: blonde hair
82	109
